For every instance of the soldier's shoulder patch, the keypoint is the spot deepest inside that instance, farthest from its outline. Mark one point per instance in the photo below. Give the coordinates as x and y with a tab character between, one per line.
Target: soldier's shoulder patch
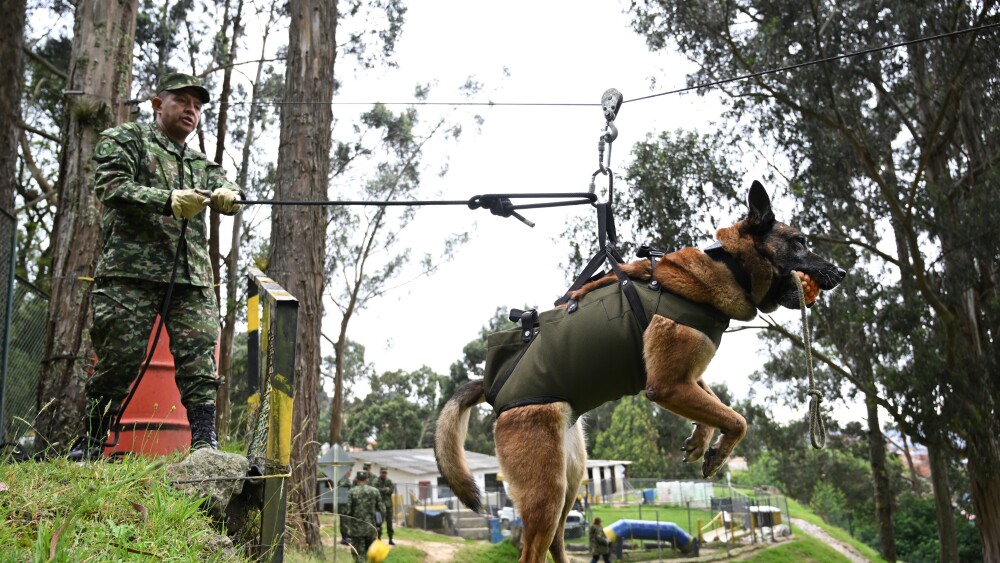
105	147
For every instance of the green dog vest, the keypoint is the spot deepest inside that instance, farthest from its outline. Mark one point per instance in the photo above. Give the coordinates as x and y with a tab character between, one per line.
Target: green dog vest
588	356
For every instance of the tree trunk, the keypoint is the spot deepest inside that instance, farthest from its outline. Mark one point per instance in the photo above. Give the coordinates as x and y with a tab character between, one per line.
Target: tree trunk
299	232
984	481
11	66
880	478
947	535
337	404
225	348
232	262
101	69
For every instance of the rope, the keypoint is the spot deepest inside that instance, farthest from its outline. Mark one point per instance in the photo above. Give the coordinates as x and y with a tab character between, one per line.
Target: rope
817	428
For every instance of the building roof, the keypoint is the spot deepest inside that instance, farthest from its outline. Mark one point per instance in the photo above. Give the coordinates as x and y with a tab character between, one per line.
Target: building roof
420	461
606	462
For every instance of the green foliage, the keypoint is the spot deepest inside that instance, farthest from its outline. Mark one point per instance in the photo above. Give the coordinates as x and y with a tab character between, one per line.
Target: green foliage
681	186
398	413
632	435
765	470
917	532
829	503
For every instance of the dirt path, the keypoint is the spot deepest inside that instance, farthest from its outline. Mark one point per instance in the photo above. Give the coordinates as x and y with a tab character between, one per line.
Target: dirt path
847	550
437	552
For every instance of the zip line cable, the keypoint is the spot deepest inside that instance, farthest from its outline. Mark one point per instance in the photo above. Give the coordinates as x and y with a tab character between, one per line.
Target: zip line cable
501	205
719	82
819	61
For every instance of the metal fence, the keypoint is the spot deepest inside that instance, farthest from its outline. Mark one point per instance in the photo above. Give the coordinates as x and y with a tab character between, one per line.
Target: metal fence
23	313
24	347
734	517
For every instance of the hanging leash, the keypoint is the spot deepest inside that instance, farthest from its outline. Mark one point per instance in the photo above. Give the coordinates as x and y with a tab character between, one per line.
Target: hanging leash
817	428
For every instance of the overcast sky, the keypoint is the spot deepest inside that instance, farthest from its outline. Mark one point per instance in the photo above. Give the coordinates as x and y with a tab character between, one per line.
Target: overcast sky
553	52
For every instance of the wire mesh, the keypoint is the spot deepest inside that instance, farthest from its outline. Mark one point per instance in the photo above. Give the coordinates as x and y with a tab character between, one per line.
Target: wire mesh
26	347
23	311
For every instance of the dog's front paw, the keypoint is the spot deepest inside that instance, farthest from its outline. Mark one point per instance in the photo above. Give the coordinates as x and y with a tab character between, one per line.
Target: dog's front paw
697	444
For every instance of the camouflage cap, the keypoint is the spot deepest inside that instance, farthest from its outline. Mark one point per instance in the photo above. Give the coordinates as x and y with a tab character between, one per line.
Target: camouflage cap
361	476
179	81
366	465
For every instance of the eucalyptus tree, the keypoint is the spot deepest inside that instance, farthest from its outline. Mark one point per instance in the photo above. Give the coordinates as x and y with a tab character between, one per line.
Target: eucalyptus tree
298	253
368	255
890	154
99	82
11	65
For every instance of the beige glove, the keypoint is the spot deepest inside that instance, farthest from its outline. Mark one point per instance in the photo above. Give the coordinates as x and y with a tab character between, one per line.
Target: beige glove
224	200
187	203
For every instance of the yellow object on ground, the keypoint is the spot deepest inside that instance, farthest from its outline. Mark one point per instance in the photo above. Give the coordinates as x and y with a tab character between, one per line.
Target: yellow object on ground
378	551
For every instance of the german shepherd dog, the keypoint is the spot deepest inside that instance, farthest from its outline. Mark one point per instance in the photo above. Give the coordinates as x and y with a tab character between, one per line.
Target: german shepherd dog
542	452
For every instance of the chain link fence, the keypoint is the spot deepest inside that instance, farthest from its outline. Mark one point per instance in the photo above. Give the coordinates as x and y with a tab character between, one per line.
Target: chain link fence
23	313
711	511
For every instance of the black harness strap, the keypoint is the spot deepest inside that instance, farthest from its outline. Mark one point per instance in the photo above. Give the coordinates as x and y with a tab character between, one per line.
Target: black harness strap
607	238
716	252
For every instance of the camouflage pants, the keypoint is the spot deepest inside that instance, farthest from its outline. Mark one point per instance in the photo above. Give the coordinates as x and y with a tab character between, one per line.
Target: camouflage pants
124	311
360	545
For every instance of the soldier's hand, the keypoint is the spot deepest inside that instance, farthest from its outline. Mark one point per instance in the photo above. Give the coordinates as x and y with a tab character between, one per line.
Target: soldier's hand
224	200
186	204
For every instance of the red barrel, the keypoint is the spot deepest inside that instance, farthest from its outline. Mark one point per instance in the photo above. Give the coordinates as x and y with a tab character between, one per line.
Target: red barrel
155	422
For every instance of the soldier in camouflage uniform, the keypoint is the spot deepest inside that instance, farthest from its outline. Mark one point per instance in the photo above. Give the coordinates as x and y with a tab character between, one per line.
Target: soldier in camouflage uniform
367	468
364	503
151	185
386	488
343	484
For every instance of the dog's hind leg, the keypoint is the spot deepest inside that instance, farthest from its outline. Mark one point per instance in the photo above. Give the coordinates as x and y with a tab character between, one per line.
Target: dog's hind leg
575	453
675	358
697	444
529	443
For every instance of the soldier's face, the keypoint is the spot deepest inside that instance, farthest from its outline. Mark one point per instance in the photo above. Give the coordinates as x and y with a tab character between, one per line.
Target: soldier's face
177	113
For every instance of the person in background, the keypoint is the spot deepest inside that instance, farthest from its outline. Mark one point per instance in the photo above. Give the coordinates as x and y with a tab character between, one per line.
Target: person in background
367	468
386	488
343	489
153	188
600	547
364	504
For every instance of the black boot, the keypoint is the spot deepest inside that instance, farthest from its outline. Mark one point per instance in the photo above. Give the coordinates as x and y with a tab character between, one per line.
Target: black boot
202	421
90	446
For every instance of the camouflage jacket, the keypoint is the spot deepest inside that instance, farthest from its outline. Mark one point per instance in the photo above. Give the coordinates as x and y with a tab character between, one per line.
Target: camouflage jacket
343	489
386	488
136	167
597	540
362	503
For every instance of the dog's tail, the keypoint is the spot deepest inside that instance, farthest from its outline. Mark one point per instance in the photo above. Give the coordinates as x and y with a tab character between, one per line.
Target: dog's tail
449	443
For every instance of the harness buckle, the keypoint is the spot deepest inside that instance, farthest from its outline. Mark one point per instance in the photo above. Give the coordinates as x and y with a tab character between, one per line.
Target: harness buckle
527	319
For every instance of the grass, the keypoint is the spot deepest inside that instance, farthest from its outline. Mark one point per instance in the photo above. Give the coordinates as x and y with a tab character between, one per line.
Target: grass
804	549
62	511
803	513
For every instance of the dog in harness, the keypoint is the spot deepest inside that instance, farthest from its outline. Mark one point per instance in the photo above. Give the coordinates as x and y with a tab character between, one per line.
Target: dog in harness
673	313
589	338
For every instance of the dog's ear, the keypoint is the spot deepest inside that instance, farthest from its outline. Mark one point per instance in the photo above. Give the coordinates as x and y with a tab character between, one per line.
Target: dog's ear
760	216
